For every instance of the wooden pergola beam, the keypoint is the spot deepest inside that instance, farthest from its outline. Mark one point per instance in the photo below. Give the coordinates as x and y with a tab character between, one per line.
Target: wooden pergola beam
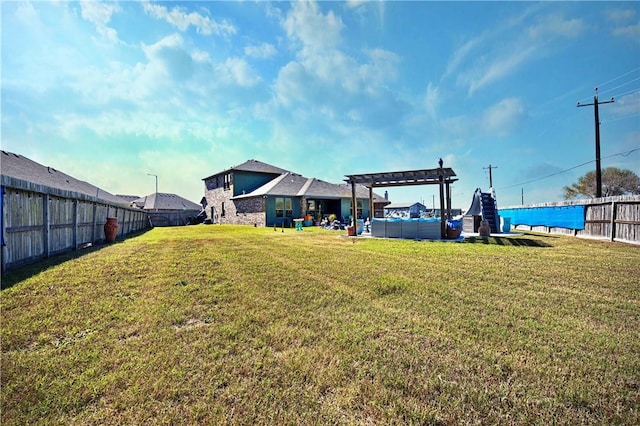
443	177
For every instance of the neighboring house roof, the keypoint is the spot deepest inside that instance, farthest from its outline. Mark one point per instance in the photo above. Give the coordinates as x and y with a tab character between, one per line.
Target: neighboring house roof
253	166
20	167
128	198
164	201
403	205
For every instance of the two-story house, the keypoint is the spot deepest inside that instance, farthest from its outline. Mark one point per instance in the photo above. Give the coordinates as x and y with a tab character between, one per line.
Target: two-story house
256	193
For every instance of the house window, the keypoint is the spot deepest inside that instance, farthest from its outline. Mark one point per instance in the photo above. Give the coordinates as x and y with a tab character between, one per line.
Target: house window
279	207
222	213
359	204
227	181
288	207
284	207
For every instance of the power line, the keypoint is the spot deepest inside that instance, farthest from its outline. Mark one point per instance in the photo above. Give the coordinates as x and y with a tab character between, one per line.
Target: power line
548	176
612	80
618	77
620	118
623	154
619	95
620	85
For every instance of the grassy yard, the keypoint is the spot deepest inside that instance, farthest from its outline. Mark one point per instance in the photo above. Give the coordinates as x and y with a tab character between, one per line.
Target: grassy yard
242	325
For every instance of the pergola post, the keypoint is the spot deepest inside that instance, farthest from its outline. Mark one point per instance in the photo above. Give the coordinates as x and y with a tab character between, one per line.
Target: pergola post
441	176
448	200
443	221
354	208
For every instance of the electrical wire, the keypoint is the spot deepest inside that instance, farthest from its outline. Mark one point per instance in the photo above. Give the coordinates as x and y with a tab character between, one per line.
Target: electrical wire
620	85
619	118
619	95
611	81
623	154
618	77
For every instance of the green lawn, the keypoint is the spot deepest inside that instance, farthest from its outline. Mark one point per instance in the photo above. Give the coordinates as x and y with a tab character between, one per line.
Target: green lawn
243	325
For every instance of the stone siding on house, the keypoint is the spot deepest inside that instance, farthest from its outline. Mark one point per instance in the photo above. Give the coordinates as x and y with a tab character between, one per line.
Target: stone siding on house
216	199
250	211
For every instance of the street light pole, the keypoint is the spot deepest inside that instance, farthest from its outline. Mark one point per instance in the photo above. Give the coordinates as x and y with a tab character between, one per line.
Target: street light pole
155	202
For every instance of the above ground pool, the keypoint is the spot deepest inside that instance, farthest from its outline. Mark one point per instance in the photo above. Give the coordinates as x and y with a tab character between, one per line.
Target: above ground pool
417	229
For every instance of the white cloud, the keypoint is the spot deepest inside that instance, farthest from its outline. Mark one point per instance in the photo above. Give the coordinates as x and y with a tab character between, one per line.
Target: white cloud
629	31
356	3
460	54
308	25
621	15
260	51
181	19
498	53
329	92
432	100
556	26
27	14
169	54
483	75
382	67
99	14
238	71
627	105
499	119
503	117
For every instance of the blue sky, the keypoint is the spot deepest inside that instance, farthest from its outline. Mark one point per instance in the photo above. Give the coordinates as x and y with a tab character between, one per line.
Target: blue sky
109	92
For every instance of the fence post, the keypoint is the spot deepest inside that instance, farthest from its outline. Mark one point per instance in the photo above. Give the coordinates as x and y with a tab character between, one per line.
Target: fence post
45	225
94	237
75	224
4	251
613	220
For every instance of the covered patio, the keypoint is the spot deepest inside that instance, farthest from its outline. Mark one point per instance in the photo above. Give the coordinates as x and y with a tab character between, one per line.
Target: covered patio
442	176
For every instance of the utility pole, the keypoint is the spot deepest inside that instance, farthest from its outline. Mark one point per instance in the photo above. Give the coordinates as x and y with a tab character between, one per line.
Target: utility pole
597	122
490	175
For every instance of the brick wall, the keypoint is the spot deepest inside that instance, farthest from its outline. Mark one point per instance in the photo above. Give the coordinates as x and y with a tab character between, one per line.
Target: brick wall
248	211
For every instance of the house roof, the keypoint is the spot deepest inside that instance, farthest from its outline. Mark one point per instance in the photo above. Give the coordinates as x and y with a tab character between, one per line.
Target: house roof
128	198
403	205
22	168
252	166
165	201
295	185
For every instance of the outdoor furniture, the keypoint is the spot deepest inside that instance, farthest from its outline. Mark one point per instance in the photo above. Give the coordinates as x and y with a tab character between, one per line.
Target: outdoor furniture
298	224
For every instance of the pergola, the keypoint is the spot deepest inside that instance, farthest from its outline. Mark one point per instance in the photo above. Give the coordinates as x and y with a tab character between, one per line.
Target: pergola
443	177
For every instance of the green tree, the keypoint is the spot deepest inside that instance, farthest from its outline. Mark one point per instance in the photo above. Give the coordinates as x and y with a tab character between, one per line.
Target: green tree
615	181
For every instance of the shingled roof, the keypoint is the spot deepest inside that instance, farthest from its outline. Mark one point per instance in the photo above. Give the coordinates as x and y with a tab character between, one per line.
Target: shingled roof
165	201
294	185
252	166
22	168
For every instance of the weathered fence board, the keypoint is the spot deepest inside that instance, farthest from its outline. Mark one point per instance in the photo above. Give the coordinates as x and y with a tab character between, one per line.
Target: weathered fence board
38	221
611	218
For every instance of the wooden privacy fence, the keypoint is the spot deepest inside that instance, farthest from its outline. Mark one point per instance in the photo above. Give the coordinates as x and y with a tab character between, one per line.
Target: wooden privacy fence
39	221
611	218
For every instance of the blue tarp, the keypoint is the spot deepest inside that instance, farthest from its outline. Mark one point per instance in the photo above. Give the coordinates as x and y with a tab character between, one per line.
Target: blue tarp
570	217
